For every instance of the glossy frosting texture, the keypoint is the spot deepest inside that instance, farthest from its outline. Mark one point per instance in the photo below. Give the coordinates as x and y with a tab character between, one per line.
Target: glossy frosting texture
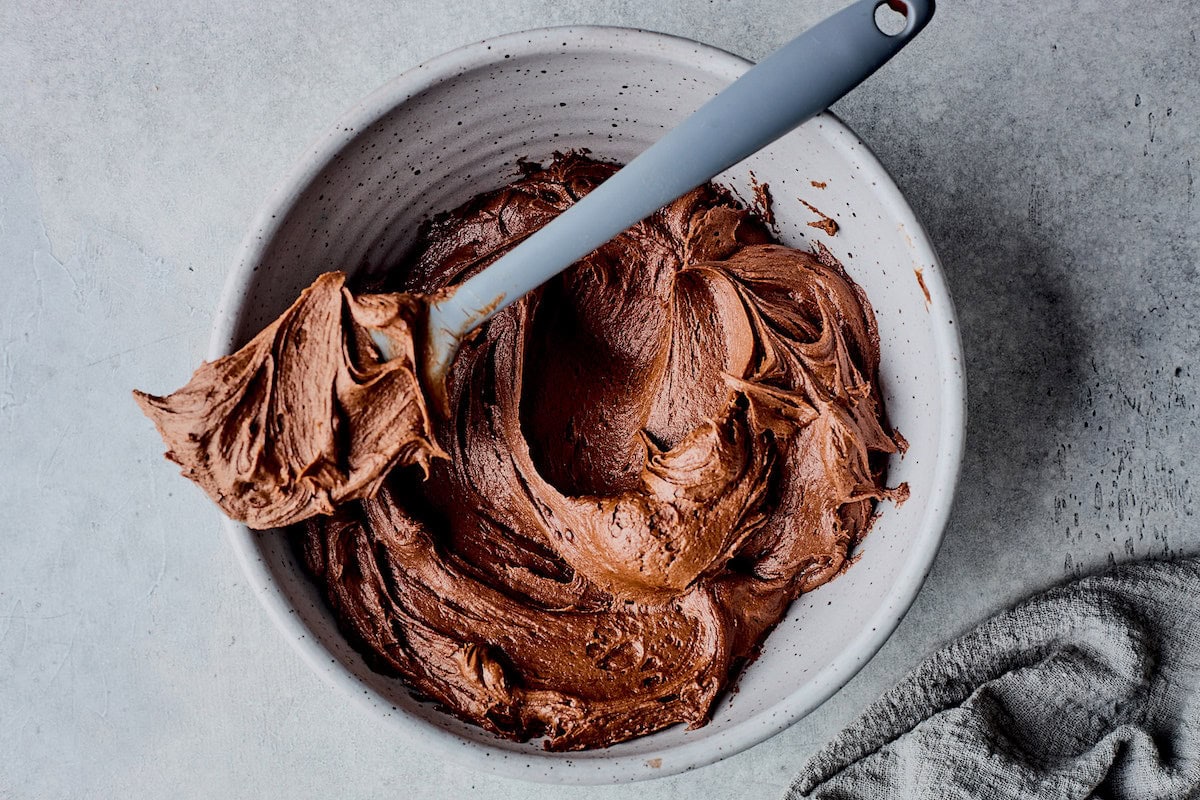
646	461
306	416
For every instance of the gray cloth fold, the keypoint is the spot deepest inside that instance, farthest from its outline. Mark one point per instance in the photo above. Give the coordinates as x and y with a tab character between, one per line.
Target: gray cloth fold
1089	690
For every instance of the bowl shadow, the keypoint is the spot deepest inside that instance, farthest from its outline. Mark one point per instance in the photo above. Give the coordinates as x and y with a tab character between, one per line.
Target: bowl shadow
1026	352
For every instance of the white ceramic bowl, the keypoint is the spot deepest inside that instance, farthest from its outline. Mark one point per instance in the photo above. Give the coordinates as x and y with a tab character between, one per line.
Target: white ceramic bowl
454	127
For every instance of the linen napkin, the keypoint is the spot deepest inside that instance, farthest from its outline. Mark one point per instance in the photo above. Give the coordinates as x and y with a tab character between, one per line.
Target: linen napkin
1089	690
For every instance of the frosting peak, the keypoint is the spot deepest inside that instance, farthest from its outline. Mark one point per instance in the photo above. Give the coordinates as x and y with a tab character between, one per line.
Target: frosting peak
307	416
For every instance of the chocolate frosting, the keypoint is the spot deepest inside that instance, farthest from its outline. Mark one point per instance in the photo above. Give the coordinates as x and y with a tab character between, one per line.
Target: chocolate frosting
649	459
645	461
306	416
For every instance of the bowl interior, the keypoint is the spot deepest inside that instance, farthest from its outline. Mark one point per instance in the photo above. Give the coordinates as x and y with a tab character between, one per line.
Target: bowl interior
457	126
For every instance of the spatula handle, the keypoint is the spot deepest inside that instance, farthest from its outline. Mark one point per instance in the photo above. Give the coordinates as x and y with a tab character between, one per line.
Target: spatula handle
793	84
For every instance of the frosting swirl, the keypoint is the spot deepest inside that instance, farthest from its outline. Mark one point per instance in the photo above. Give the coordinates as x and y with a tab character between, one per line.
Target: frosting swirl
646	460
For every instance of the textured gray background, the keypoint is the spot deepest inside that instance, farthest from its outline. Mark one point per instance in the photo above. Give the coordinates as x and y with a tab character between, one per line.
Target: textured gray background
1050	148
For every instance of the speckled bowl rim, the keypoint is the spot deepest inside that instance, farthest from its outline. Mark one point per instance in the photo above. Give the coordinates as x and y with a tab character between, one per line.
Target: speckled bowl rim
596	767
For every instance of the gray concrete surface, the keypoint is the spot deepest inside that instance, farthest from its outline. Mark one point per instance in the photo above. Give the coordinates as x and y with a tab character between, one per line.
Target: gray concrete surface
1051	149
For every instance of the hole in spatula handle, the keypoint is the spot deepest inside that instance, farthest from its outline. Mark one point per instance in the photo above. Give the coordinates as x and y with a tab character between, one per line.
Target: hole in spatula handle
891	17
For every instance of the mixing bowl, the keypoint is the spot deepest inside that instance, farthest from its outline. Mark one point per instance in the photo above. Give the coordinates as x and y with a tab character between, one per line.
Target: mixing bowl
456	126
